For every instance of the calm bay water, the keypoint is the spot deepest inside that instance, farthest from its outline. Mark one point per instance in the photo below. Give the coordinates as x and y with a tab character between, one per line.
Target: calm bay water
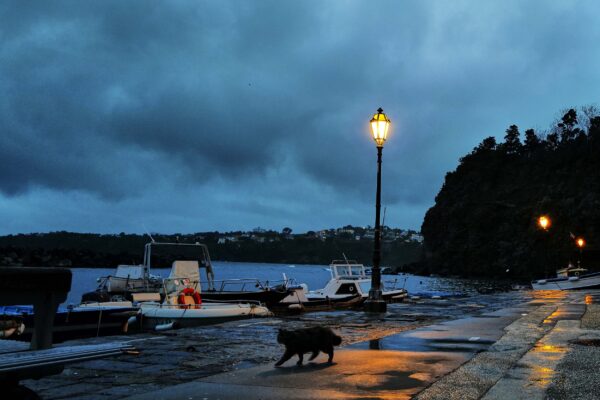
315	276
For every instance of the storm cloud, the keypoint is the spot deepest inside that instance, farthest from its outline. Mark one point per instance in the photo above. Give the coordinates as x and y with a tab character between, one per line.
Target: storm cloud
195	115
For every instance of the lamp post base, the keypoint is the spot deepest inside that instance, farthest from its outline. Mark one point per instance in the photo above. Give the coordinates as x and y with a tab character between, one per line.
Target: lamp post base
375	302
375	306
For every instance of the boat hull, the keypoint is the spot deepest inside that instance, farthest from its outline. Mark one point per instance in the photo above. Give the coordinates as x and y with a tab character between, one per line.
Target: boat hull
153	315
589	281
392	296
78	323
267	297
297	304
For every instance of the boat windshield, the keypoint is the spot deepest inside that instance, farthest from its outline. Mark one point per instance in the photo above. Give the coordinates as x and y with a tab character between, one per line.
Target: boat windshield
349	269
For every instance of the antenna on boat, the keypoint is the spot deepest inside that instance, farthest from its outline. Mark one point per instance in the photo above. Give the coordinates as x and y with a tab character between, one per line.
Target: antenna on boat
148	233
345	258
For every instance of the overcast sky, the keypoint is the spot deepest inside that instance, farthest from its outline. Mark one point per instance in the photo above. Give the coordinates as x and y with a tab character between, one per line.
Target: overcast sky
187	116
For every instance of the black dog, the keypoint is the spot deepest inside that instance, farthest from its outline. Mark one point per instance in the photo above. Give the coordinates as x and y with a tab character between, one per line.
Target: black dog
308	340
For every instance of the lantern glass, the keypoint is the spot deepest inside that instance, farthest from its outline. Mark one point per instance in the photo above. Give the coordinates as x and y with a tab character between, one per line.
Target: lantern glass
544	222
380	125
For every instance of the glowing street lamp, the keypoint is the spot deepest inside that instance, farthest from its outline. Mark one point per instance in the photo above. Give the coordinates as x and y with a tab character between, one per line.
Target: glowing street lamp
544	222
580	242
380	125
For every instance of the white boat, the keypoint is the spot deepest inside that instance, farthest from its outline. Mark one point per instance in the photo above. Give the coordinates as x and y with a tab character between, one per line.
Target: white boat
569	278
349	278
130	279
183	306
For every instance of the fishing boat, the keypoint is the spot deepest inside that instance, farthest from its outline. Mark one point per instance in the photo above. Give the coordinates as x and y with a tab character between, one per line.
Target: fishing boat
69	322
569	278
349	286
348	278
132	279
184	305
297	301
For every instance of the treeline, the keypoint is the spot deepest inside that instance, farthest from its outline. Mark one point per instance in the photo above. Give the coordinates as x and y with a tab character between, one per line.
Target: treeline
484	221
94	250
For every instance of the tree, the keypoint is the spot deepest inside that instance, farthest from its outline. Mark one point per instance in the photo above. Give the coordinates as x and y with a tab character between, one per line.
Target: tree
552	141
286	231
567	128
488	144
512	143
532	142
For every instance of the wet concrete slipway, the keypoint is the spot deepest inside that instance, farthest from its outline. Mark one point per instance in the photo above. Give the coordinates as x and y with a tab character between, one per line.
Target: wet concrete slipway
516	345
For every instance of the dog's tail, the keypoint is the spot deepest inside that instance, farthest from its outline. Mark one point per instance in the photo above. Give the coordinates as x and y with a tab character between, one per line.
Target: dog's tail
337	340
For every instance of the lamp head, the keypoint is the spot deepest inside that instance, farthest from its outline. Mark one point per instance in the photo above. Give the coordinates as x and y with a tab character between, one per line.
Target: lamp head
380	125
544	222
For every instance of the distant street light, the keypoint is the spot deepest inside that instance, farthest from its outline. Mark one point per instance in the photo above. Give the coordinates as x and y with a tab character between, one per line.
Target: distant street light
544	222
380	124
580	243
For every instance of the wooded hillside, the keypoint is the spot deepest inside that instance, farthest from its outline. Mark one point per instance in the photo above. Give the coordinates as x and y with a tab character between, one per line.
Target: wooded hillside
484	221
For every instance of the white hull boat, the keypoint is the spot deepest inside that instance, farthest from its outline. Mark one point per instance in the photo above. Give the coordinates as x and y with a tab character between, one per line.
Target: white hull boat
569	278
166	315
183	305
348	278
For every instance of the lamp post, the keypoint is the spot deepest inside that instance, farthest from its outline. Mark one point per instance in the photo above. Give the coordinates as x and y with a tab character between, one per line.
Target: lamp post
380	124
544	222
580	243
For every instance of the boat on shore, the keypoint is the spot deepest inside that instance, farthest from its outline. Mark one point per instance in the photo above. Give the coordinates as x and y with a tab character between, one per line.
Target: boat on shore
131	279
183	304
84	321
348	287
569	278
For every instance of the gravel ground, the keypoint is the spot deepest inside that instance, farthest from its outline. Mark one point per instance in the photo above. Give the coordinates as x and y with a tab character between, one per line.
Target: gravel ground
591	318
578	373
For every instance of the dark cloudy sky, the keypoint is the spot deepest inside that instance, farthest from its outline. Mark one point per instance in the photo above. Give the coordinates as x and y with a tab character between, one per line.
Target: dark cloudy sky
187	116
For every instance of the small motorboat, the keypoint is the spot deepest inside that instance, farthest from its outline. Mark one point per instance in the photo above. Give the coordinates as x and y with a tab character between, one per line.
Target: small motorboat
183	305
246	289
131	279
297	301
569	278
349	286
71	322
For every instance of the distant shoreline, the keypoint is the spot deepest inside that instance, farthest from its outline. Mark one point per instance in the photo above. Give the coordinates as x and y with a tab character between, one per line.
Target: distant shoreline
74	250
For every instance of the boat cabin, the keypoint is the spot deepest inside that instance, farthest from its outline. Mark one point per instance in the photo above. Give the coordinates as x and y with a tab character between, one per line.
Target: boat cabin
570	271
347	269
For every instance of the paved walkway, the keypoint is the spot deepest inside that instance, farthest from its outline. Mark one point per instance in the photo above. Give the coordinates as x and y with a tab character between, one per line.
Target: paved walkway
512	353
